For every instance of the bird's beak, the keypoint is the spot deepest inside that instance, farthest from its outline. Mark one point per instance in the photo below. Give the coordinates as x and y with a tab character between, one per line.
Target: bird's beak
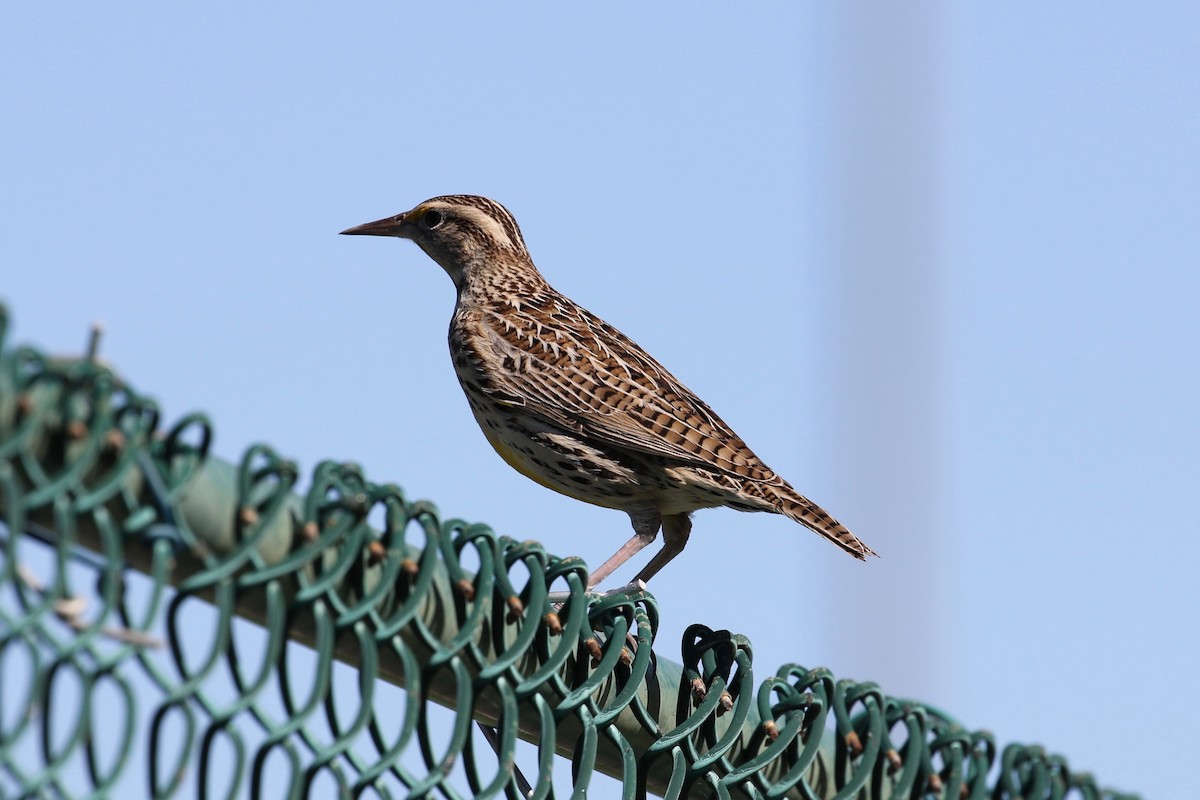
391	226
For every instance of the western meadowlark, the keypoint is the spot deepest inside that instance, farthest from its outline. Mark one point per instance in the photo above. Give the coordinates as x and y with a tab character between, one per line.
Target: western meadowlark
572	403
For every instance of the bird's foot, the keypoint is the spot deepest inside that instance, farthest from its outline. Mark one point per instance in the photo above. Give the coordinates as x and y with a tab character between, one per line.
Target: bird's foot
558	598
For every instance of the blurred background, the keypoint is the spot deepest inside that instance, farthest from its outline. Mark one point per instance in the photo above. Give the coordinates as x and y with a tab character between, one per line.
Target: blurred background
936	263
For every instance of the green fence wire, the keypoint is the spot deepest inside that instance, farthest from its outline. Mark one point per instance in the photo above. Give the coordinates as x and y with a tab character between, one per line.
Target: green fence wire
175	626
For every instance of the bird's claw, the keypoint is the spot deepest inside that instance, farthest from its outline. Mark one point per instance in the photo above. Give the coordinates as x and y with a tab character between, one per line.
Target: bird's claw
559	598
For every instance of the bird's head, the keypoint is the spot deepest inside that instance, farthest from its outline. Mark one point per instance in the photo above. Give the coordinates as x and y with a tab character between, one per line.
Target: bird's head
464	233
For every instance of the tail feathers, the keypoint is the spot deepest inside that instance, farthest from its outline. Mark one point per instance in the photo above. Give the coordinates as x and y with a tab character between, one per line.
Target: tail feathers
812	516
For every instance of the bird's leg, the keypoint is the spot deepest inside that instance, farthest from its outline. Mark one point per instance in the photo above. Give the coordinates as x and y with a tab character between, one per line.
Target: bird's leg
676	529
645	528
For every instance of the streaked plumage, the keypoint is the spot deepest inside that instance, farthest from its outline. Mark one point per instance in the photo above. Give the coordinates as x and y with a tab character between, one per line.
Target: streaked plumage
572	403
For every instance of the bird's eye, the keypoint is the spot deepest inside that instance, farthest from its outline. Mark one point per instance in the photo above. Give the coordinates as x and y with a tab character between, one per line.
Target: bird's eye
431	219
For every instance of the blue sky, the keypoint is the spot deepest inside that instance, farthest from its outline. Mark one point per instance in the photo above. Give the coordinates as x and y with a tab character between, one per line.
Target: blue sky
939	268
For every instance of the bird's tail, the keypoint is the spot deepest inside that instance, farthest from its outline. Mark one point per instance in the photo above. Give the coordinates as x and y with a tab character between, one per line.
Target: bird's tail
796	506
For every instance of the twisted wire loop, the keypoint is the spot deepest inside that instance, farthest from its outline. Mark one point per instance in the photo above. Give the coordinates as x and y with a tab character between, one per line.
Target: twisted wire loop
342	642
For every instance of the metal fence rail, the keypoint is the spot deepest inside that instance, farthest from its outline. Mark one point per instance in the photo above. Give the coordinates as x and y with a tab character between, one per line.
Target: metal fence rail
175	626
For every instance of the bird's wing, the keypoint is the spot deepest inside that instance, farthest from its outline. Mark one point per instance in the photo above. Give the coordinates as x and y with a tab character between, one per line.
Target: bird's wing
566	365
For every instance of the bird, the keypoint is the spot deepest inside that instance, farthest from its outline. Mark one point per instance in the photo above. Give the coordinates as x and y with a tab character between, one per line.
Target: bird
572	403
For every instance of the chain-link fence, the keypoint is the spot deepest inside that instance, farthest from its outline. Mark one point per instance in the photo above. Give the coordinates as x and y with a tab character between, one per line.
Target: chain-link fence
174	626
